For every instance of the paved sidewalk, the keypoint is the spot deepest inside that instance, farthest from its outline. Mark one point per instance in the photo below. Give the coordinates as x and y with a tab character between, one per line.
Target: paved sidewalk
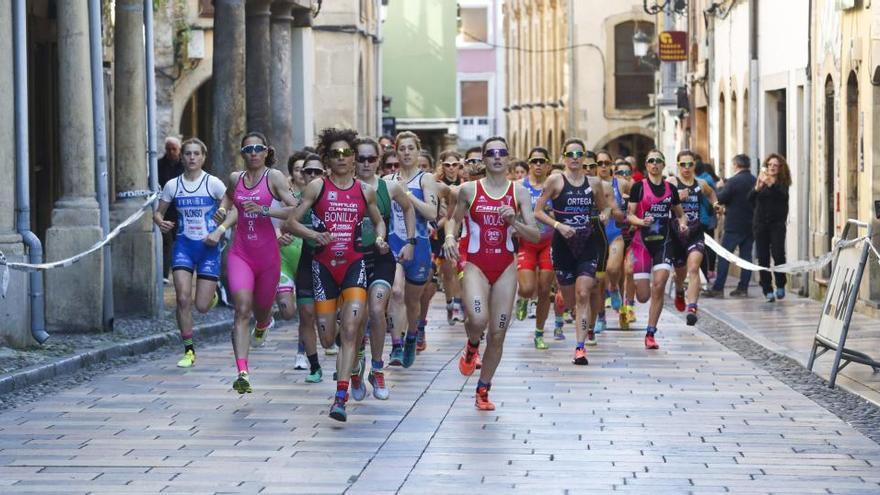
788	326
691	417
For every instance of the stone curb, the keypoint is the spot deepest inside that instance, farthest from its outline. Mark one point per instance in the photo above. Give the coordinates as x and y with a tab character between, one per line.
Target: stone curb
23	378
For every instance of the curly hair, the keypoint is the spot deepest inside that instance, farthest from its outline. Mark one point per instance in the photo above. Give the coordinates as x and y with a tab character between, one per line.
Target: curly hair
270	153
295	157
332	135
784	177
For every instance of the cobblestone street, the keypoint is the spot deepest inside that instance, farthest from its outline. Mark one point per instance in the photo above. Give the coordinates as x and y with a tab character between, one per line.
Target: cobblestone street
692	417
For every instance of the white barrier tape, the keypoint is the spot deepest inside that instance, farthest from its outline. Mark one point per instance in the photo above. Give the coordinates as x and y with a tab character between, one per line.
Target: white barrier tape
142	193
27	267
791	267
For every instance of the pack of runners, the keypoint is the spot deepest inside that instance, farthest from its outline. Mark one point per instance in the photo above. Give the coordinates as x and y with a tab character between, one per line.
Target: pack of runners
359	235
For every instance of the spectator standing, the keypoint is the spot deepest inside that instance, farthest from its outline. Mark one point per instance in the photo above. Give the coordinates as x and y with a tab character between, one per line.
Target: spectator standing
708	217
734	195
170	167
770	201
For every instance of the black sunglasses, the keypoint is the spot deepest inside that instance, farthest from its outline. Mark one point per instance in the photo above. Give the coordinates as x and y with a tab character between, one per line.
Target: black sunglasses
538	161
624	173
313	171
367	159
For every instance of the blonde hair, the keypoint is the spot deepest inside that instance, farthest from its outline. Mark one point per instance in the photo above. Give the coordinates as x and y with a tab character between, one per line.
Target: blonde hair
407	135
196	141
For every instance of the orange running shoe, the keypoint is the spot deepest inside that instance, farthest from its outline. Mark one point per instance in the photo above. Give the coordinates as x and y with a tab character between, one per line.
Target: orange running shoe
467	363
650	343
680	303
482	401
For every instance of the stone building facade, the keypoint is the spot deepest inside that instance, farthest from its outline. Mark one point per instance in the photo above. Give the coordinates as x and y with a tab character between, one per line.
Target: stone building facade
572	72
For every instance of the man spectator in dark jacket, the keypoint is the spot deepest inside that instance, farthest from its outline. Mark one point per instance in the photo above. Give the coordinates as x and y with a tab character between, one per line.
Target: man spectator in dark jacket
170	166
734	195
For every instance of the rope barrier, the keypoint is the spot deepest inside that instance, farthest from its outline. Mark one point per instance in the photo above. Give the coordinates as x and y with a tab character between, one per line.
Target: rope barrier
799	266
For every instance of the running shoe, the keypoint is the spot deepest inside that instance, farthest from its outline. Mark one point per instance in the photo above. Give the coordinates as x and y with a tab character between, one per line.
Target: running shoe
189	359
622	319
601	323
358	388
522	308
421	341
608	302
377	380
558	334
409	351
242	384
396	357
315	377
680	303
467	363
337	410
215	300
780	293
630	314
331	351
650	343
259	335
692	316
615	300
580	357
568	316
533	309
540	344
301	362
591	337
482	400
457	313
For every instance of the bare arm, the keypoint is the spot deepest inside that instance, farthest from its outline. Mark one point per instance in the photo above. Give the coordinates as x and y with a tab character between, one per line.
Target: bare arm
551	190
376	218
526	226
399	196
450	244
428	208
295	227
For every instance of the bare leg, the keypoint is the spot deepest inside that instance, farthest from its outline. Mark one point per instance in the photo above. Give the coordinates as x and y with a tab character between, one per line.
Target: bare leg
475	297
241	339
583	288
501	297
183	290
658	289
379	296
352	317
694	262
286	304
545	284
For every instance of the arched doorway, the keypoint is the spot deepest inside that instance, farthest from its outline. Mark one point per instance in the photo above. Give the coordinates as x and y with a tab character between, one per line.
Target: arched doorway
636	145
853	153
197	117
828	138
722	136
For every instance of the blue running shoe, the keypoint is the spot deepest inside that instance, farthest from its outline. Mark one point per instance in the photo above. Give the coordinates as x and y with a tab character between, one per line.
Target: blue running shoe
337	410
600	325
358	388
615	300
396	358
409	351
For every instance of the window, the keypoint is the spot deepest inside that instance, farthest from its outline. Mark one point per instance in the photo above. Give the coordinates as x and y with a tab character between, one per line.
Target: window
633	80
474	98
473	25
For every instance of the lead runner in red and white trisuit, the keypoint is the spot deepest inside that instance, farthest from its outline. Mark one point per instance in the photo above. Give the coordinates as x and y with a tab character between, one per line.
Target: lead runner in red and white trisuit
495	208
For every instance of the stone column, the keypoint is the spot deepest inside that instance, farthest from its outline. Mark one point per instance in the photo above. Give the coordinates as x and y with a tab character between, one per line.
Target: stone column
229	87
258	43
15	308
134	277
303	77
280	85
74	292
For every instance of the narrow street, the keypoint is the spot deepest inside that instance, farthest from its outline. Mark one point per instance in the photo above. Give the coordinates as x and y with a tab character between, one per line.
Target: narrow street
692	417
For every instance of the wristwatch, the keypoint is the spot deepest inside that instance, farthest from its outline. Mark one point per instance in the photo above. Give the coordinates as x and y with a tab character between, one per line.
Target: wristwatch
265	211
411	240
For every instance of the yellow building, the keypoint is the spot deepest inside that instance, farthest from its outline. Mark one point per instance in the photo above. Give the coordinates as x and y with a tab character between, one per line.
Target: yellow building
571	71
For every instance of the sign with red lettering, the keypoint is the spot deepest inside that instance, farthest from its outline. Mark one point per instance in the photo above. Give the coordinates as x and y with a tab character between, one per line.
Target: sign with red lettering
673	46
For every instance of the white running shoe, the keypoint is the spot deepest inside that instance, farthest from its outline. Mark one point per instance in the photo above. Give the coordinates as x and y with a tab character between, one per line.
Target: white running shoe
533	309
301	362
332	350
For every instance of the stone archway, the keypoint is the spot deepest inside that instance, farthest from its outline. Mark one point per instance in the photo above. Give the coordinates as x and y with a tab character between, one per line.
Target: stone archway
631	140
196	119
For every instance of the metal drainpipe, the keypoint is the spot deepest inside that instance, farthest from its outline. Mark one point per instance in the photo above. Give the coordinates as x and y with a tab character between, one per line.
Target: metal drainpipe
22	172
572	108
100	126
150	63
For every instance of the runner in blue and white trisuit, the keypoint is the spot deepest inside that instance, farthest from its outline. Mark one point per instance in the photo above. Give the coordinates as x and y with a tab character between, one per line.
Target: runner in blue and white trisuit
195	195
411	276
